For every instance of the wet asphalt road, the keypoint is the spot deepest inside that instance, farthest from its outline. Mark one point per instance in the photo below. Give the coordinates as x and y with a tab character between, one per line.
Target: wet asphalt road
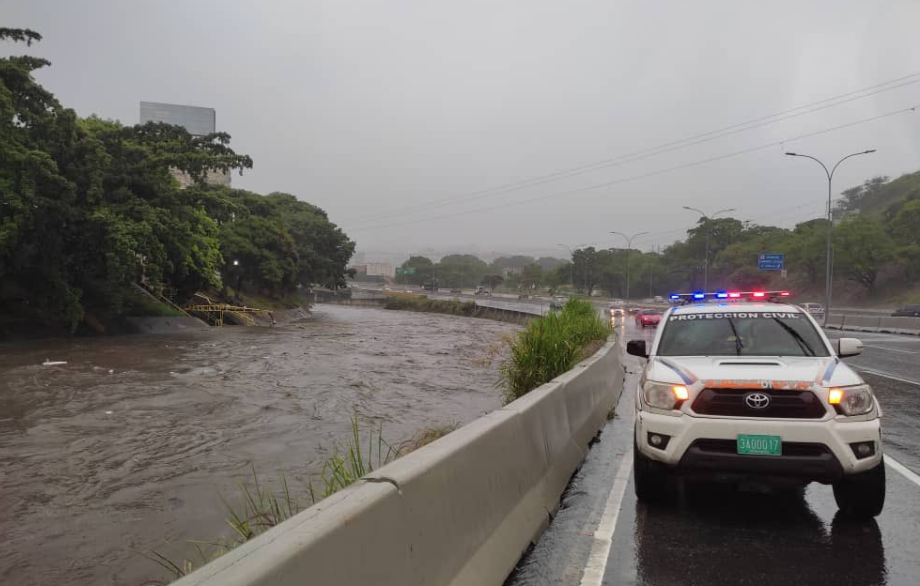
722	535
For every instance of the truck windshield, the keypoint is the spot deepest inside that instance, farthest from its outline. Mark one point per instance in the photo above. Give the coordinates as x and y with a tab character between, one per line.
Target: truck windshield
740	334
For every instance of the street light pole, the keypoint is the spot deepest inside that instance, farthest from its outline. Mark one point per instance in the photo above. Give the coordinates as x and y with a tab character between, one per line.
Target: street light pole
571	264
629	240
829	262
707	219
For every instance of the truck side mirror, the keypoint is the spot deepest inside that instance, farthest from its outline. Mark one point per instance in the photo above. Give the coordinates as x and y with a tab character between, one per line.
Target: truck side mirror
637	348
849	347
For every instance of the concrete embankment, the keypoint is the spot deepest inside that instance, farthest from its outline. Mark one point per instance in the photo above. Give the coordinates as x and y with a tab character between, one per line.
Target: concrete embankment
163	325
460	511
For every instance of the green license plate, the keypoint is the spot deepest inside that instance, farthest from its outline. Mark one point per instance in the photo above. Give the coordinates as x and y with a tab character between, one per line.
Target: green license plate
760	445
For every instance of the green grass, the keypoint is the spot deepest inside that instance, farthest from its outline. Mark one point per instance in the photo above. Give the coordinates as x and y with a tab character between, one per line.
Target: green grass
425	305
257	508
550	346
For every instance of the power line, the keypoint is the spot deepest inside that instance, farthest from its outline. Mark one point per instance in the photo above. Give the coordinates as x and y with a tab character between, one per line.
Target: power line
655	150
643	175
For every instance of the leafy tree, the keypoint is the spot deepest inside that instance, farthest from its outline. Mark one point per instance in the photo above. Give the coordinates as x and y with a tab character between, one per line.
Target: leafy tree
531	276
460	270
511	262
424	271
548	263
861	246
492	281
863	196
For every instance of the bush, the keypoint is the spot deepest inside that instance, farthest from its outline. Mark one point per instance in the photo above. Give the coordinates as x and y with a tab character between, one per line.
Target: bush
550	346
450	307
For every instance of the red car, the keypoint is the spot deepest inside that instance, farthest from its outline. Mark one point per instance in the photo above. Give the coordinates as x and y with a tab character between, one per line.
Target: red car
648	317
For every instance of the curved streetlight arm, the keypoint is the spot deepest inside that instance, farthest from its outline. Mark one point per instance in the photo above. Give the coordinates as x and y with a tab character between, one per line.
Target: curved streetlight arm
831	175
725	211
815	159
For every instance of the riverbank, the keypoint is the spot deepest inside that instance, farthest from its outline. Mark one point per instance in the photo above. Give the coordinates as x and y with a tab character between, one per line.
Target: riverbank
460	308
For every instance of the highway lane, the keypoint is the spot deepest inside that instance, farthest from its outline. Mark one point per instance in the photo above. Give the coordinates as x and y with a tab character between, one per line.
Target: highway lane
710	534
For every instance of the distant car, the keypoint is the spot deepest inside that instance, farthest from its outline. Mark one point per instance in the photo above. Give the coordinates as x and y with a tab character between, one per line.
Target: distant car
456	291
523	296
648	318
909	310
554	305
813	308
658	299
617	312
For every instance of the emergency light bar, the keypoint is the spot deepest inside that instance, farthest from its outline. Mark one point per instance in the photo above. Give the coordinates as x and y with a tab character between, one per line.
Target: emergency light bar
703	296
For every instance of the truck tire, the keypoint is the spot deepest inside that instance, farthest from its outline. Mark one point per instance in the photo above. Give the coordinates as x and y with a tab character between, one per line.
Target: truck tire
862	495
650	481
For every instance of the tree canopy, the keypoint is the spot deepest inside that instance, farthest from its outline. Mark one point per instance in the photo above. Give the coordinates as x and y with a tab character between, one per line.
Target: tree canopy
89	206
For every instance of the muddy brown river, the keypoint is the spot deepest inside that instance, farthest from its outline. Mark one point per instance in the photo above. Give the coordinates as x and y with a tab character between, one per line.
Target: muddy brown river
125	448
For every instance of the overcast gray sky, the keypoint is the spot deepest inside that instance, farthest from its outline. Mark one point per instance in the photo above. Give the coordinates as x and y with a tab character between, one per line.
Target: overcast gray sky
365	107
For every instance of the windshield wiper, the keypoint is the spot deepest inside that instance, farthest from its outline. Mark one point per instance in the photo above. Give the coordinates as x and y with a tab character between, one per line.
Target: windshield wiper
739	345
796	336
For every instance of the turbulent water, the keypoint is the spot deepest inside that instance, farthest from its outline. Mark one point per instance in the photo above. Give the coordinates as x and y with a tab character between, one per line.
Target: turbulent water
126	446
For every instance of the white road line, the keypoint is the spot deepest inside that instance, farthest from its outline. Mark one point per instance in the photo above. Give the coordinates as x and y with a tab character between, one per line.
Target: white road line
887	375
897	466
596	566
915	352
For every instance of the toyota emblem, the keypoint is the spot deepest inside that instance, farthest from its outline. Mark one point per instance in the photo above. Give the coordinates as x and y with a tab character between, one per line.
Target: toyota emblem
757	400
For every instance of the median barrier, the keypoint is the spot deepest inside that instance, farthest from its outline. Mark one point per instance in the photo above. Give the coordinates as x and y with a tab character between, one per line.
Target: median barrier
458	512
900	325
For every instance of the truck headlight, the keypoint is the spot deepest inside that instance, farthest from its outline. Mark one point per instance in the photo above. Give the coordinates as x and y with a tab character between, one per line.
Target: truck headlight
851	400
665	395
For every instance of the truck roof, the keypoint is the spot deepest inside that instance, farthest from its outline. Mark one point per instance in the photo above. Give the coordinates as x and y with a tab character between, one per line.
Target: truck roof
735	307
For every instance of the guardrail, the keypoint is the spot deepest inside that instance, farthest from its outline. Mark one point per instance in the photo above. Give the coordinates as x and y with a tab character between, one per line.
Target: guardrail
458	512
866	323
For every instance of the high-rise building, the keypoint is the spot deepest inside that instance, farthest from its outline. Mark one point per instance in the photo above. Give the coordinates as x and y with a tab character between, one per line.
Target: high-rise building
197	121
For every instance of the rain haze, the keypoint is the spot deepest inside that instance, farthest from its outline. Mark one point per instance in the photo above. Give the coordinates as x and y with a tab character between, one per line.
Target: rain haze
400	118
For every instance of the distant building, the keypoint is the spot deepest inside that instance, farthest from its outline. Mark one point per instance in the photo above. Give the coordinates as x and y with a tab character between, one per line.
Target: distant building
197	121
378	272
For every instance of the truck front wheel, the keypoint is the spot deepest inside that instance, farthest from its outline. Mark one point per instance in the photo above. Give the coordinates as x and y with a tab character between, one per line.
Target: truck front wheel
862	495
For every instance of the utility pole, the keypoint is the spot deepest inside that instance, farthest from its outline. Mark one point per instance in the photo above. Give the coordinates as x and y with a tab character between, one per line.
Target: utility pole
629	240
829	261
706	218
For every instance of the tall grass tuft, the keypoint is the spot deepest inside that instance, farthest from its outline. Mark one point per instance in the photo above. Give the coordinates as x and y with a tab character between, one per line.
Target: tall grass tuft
257	508
551	345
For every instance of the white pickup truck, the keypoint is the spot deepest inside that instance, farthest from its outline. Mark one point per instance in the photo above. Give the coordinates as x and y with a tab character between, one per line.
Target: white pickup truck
755	391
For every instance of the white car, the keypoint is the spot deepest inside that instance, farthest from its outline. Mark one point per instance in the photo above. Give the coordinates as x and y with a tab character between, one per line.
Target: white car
755	391
813	308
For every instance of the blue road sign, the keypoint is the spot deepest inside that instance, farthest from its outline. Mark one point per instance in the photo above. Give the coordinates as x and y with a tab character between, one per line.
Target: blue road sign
771	262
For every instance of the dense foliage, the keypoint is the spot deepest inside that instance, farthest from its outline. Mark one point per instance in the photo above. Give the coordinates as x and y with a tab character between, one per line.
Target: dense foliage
89	207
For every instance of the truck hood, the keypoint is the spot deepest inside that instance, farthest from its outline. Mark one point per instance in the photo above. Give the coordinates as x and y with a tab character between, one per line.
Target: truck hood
762	371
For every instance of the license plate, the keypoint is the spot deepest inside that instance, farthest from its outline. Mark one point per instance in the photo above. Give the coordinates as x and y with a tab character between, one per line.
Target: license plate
760	445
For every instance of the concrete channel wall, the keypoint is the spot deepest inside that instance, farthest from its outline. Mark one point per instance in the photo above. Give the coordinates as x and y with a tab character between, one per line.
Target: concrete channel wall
871	323
458	512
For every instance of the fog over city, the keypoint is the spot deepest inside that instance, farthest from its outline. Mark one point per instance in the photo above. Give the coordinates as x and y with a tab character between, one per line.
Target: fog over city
511	126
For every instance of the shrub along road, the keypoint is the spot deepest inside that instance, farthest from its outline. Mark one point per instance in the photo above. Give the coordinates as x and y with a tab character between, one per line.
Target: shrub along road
720	535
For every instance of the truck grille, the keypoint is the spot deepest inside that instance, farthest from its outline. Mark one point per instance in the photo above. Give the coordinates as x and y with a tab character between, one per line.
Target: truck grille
784	404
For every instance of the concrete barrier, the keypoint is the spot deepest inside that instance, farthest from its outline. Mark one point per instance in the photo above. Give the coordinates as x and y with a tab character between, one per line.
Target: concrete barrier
873	323
458	512
900	325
